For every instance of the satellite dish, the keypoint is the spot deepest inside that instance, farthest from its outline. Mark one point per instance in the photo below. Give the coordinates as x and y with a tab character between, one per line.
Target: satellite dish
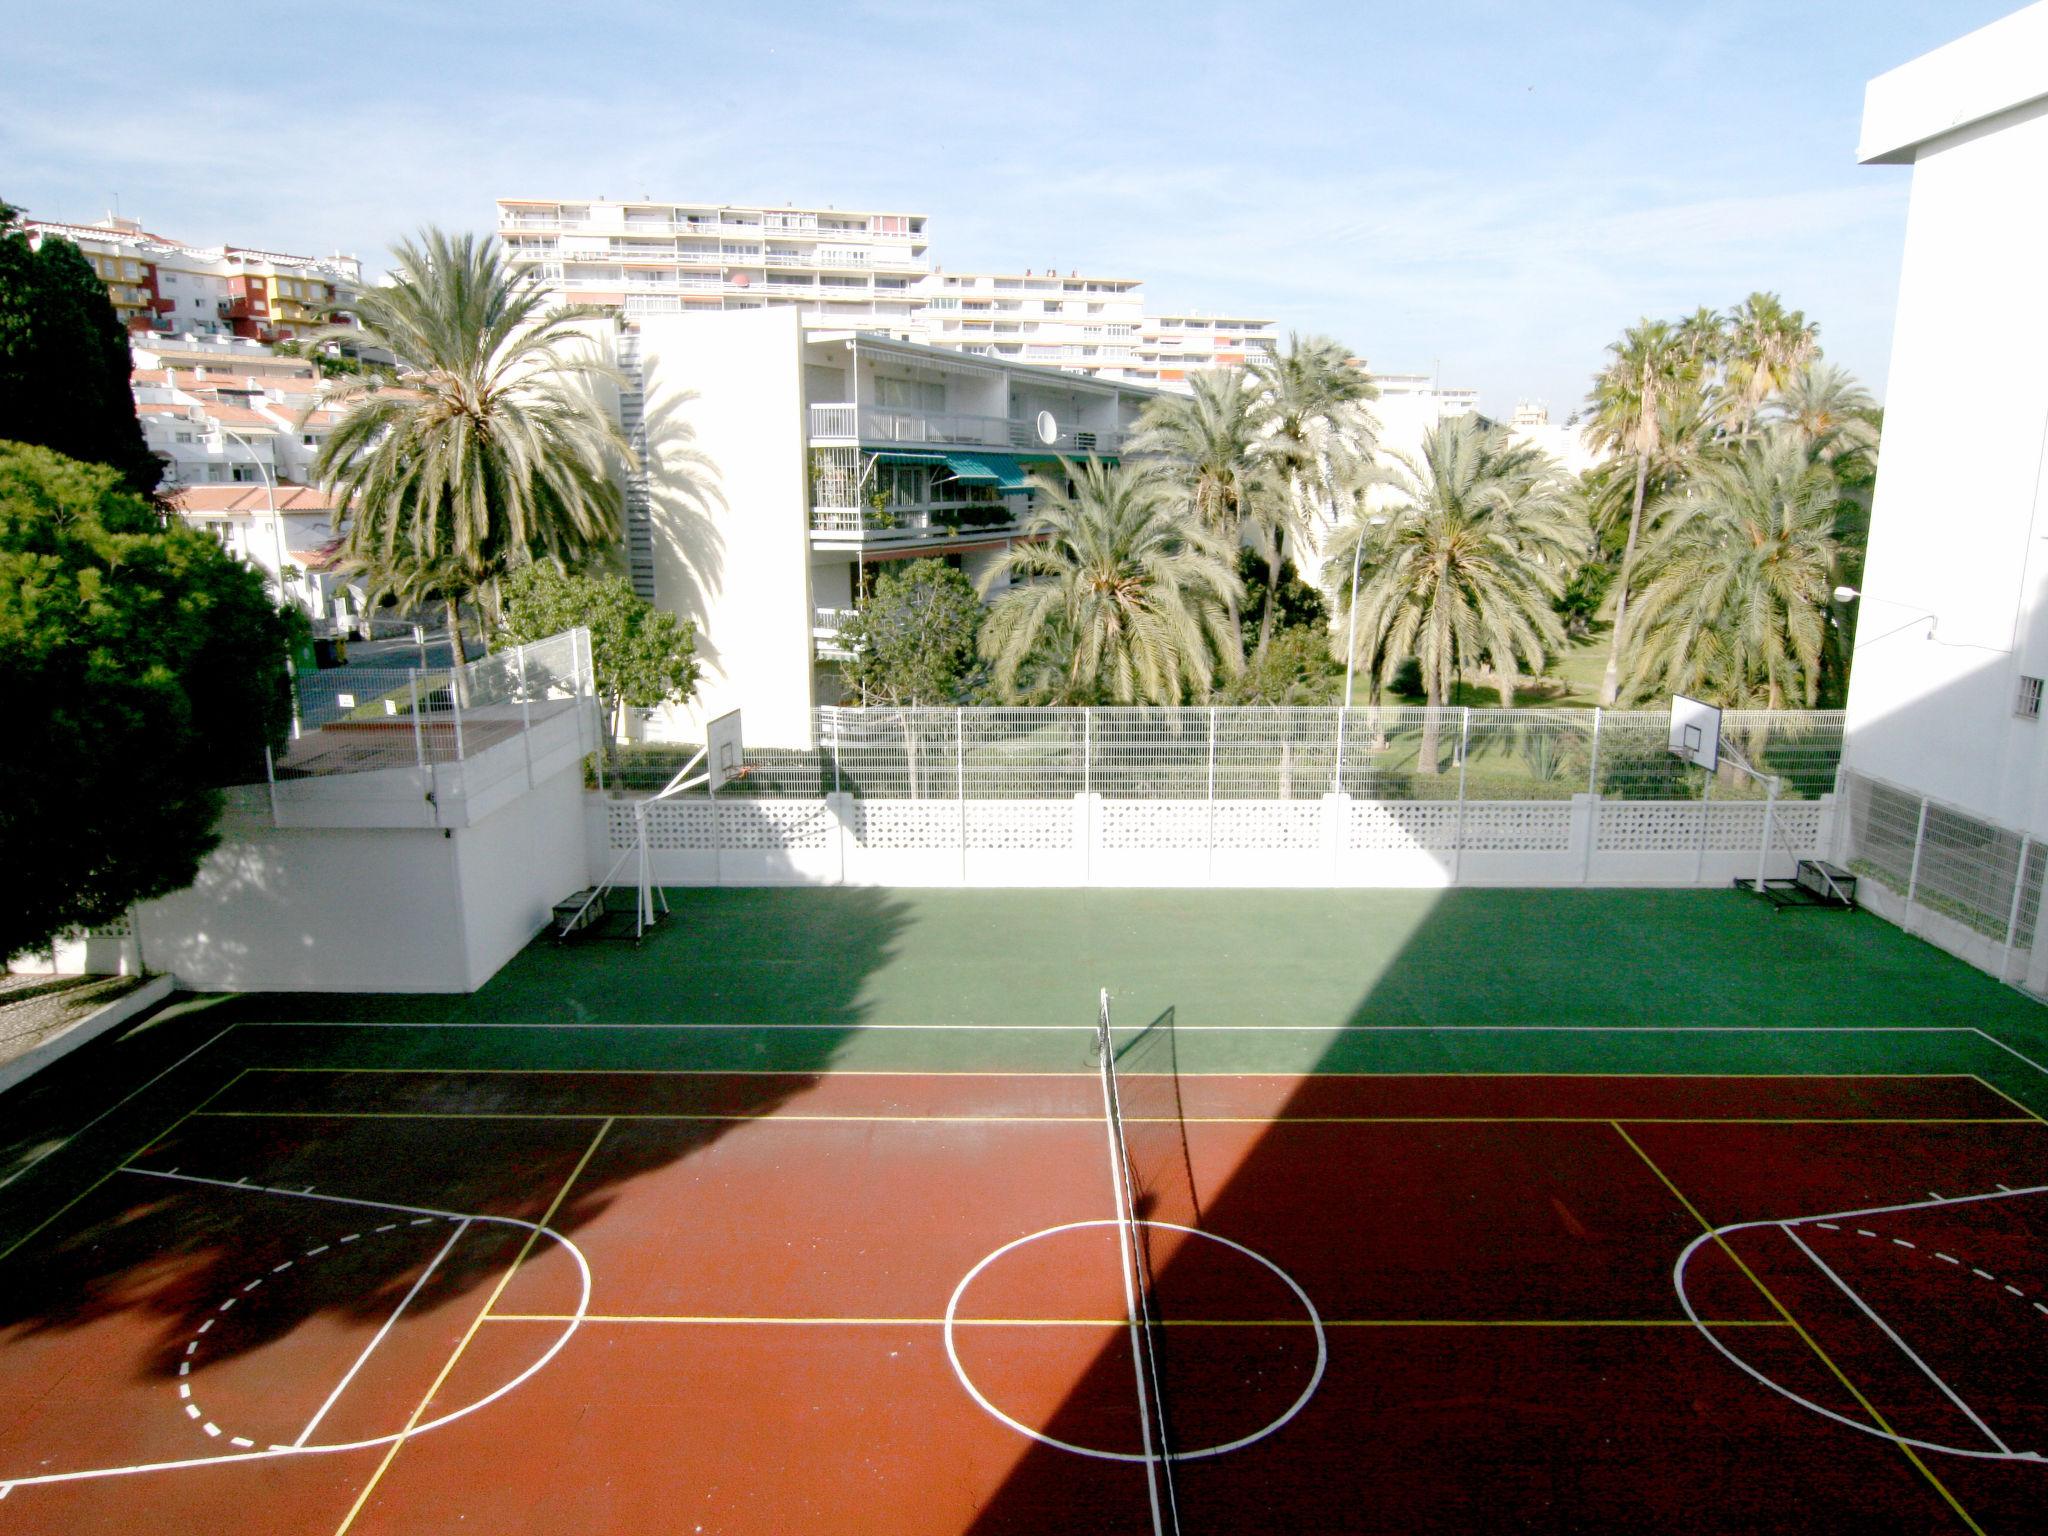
1048	429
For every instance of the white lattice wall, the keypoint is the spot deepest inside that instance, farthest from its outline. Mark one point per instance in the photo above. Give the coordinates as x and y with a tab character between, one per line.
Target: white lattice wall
1389	825
1091	839
1517	826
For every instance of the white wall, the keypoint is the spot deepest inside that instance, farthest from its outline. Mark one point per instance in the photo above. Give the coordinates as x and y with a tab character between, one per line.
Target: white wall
742	571
1953	606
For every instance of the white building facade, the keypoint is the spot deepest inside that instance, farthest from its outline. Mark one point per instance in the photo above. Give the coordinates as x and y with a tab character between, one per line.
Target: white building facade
832	454
1945	756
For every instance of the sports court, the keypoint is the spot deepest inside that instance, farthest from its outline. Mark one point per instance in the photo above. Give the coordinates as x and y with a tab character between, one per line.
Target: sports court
1452	1211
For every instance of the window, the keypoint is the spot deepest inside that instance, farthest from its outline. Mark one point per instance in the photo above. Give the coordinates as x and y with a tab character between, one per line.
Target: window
2028	705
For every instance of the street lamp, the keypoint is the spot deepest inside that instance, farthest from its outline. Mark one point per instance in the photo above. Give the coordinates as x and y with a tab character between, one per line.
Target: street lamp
270	496
1351	645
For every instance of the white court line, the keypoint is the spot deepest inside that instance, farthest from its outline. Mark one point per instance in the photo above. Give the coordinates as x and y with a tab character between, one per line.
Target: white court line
2010	1051
371	1348
1720	1234
575	1321
1068	1029
37	1160
1889	1332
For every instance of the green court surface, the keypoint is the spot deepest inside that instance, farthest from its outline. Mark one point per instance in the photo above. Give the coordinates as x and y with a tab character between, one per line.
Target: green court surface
797	980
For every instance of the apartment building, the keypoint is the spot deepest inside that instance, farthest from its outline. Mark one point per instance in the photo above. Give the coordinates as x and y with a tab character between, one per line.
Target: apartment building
645	258
166	287
1173	346
1085	325
834	454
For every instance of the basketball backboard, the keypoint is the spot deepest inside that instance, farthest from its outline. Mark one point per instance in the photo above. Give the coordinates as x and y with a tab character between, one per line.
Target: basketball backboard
726	752
1696	731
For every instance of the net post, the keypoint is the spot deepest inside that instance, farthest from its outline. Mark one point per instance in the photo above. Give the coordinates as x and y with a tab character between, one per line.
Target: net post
2012	919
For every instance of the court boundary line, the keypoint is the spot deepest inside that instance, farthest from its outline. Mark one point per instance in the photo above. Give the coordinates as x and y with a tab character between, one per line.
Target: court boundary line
711	1320
1891	1333
274	1452
476	1323
587	1027
806	1072
767	1115
1709	1232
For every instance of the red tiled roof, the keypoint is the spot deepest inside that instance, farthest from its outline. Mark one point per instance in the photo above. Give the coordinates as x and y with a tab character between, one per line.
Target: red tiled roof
249	497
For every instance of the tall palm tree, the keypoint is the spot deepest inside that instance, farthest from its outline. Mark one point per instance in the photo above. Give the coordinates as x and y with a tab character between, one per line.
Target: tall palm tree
1645	372
493	450
1316	441
1206	441
1136	597
1735	593
1478	538
1767	345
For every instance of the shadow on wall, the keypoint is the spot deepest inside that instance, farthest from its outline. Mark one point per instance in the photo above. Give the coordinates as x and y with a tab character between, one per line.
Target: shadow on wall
147	1251
685	502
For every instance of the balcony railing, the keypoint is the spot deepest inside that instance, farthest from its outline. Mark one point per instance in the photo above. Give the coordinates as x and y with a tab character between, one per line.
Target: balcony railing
935	522
879	424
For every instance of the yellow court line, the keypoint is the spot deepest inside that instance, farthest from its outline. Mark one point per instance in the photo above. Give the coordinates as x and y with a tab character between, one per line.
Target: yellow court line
2016	1104
123	1162
786	1116
1811	1342
728	1320
475	1323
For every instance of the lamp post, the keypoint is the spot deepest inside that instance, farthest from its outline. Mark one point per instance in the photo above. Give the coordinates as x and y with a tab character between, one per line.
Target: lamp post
1351	645
270	497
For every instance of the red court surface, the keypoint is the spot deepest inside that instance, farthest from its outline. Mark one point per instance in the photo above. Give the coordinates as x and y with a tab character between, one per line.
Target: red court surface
404	1301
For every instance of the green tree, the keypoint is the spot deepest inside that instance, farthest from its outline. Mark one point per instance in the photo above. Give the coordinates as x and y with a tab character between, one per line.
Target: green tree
1295	670
1316	444
913	637
150	665
495	451
1735	595
643	656
64	363
1468	565
1136	597
1767	345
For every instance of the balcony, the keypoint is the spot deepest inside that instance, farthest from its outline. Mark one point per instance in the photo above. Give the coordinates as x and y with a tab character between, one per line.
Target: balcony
878	424
935	523
825	626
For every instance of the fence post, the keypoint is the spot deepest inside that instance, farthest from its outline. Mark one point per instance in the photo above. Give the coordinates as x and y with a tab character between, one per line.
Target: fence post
455	706
1699	868
837	725
1913	878
2012	921
1593	769
1458	827
960	781
1211	870
525	713
1087	748
419	743
270	773
1337	778
1763	851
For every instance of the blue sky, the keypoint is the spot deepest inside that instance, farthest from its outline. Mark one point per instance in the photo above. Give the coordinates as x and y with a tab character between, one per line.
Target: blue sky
1492	190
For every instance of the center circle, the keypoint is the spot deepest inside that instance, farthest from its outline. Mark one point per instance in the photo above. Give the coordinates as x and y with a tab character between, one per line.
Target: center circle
1314	1317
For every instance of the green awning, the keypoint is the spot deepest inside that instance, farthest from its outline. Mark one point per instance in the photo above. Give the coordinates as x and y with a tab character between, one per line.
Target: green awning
1005	471
905	456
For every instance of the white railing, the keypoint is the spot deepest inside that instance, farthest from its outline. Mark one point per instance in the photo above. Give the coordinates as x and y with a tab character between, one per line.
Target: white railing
830	619
882	424
832	421
921	522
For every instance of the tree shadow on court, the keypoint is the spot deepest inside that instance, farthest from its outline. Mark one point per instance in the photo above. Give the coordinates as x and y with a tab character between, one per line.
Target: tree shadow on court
161	1255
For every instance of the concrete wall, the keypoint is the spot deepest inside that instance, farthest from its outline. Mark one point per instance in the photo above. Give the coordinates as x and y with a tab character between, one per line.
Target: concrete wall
1952	613
738	563
369	909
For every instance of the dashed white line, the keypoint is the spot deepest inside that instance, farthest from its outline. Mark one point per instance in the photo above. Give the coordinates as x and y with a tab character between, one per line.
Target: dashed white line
211	1428
1902	1242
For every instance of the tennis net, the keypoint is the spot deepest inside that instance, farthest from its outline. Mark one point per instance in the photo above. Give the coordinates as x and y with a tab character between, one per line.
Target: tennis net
1136	1231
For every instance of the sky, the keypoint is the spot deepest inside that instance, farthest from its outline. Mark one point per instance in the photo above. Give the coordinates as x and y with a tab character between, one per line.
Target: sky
1485	191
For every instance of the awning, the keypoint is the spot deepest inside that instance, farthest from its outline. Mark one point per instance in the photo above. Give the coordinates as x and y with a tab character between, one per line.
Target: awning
1004	471
905	456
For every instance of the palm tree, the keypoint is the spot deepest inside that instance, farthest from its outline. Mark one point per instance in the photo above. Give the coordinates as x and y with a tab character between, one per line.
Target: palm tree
1644	373
1476	545
1833	415
1137	597
492	451
1767	345
1315	440
1736	582
1207	442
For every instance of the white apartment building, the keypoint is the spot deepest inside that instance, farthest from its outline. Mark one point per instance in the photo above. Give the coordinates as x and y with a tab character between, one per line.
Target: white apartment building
1567	442
835	454
1086	325
166	287
1951	638
646	258
1173	346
